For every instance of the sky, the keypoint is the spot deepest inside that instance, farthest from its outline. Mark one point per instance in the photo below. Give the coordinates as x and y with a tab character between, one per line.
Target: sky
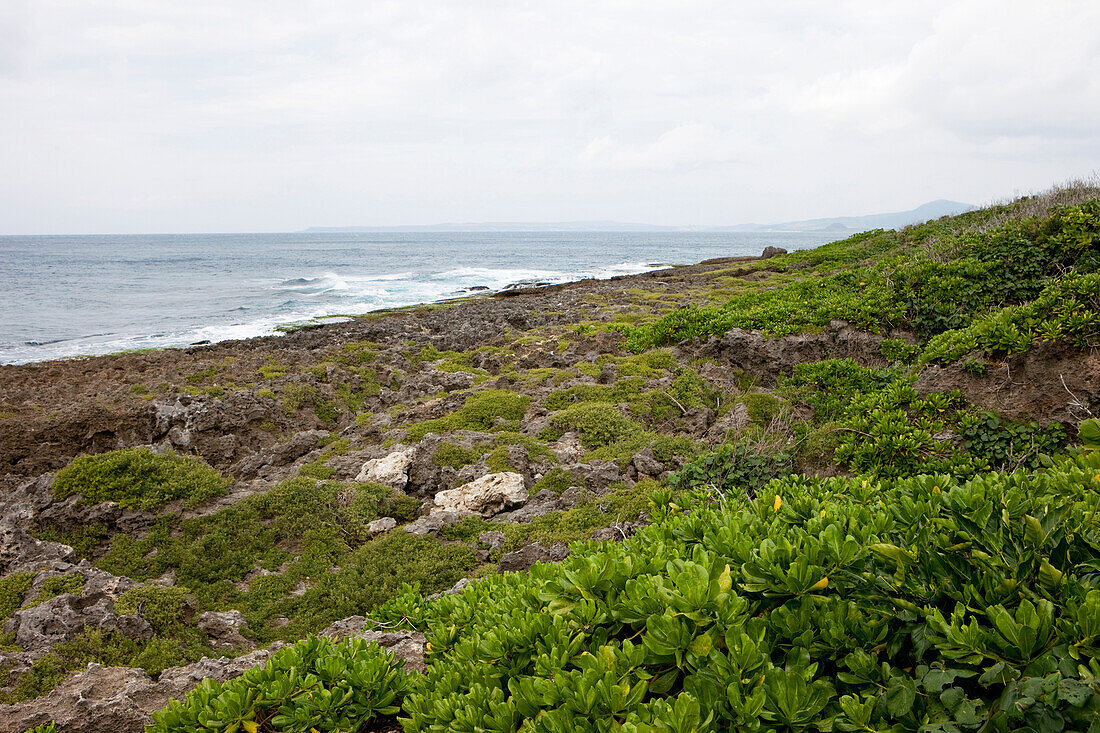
128	116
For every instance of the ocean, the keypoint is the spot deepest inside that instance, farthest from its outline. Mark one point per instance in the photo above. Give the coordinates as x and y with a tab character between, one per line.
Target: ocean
64	296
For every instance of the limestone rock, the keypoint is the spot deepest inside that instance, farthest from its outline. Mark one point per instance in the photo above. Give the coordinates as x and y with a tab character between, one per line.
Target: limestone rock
568	448
729	425
119	699
432	523
385	524
645	464
20	551
771	251
528	555
224	629
493	540
542	503
392	470
486	496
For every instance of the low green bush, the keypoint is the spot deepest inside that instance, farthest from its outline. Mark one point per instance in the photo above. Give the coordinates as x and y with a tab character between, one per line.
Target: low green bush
731	468
139	478
163	607
56	585
480	412
1008	445
597	424
13	589
839	604
316	684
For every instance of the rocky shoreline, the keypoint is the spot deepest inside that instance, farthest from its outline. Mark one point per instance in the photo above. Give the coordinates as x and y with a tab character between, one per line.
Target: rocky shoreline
469	422
223	403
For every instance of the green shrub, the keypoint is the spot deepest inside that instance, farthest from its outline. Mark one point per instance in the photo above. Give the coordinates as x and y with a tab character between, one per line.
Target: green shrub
455	456
1009	445
730	468
1066	309
161	606
56	585
557	480
480	412
139	478
896	350
13	589
841	604
830	386
598	424
316	684
762	407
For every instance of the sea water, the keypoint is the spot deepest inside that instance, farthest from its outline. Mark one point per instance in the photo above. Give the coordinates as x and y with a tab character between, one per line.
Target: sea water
65	296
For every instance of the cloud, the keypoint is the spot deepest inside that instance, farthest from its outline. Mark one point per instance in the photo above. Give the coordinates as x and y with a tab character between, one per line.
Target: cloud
122	115
685	147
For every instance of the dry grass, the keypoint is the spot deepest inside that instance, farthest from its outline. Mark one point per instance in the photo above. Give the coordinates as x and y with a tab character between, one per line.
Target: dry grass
1070	193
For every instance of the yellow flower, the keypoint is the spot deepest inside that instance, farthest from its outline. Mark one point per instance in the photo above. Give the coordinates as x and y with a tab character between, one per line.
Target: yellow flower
777	503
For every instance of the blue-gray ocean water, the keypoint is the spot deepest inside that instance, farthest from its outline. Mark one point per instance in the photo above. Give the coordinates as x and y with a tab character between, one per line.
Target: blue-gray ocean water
74	295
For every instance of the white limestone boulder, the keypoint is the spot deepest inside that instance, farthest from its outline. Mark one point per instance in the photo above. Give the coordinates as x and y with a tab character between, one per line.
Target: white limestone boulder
488	495
392	470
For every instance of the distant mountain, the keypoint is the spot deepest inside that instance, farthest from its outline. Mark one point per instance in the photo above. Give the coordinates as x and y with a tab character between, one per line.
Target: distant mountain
896	220
840	224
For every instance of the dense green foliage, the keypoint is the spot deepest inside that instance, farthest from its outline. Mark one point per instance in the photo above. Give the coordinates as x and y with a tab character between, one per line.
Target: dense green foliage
316	684
834	604
139	478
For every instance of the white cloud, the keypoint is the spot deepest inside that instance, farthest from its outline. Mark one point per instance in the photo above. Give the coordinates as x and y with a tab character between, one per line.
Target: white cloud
120	115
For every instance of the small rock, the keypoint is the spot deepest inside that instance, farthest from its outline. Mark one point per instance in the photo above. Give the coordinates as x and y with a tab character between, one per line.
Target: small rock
493	540
646	464
568	448
731	424
771	251
224	628
528	555
432	523
134	626
299	444
120	699
385	524
486	496
456	588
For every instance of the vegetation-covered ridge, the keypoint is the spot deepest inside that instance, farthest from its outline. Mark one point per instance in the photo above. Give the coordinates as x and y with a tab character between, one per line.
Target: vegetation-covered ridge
873	507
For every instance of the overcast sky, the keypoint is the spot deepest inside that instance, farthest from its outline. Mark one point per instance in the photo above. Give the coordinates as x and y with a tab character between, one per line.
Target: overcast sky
188	116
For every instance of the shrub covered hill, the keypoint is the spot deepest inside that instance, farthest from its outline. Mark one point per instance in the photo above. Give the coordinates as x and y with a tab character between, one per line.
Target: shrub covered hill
855	488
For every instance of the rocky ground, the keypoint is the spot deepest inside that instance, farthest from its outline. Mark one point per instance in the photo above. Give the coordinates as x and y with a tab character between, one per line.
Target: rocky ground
469	413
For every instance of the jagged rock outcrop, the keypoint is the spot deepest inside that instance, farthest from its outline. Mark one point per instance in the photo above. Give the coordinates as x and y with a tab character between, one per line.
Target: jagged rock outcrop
766	358
223	629
1049	382
120	699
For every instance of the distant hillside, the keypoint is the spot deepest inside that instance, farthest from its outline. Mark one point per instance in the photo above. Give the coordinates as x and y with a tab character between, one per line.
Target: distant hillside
895	220
925	212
